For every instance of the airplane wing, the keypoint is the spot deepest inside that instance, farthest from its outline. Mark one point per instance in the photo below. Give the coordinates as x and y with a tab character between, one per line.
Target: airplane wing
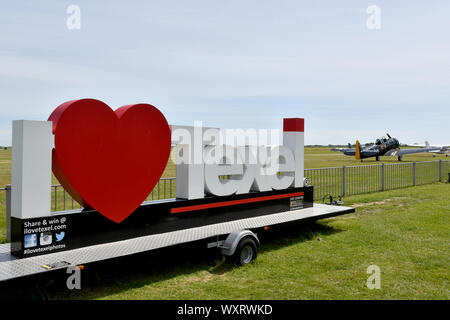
401	152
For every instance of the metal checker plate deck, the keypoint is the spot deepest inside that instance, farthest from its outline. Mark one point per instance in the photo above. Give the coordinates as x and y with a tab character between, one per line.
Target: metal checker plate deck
12	267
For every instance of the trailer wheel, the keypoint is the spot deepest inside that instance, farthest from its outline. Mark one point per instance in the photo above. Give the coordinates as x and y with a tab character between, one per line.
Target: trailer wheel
246	251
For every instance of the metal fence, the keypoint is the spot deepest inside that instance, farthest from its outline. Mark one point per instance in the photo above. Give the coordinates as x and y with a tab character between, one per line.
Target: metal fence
337	181
352	180
61	200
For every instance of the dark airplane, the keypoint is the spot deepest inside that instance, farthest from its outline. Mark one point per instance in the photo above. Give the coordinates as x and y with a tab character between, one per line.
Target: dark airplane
382	147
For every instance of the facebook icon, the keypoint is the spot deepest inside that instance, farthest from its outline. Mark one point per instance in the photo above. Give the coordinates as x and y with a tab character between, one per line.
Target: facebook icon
30	240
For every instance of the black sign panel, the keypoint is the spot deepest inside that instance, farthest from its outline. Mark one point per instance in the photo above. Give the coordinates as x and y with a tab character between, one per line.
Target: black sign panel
64	231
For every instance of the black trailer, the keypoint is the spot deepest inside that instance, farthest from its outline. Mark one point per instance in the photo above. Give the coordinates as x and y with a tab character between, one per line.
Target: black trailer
230	223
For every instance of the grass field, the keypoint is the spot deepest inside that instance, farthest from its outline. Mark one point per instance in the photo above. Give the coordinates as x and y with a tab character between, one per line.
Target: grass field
404	232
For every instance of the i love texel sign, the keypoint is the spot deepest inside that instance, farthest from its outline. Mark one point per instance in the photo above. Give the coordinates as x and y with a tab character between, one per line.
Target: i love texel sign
110	161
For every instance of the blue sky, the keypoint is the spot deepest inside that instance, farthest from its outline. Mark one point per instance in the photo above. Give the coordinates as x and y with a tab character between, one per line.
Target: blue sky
236	64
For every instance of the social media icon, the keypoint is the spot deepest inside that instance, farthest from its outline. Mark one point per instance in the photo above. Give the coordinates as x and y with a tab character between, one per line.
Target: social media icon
30	240
60	236
45	239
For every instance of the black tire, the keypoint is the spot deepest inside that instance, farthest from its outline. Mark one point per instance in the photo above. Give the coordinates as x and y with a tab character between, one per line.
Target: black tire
246	252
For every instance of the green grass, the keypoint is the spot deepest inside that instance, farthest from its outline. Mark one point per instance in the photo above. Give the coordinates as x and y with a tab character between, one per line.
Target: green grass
404	232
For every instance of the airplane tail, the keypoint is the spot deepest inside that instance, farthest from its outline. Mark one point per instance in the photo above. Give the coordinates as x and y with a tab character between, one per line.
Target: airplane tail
357	150
427	144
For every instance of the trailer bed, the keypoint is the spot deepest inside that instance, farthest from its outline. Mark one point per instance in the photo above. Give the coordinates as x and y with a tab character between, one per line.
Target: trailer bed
12	267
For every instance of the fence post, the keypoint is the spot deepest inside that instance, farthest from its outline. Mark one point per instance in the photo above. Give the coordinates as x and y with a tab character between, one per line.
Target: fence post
343	181
382	177
414	173
8	212
440	170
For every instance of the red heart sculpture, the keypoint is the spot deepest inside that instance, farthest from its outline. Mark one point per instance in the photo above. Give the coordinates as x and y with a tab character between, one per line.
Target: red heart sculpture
109	161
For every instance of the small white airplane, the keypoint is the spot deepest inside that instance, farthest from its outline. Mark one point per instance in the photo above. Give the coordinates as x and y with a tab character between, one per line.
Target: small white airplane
440	149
